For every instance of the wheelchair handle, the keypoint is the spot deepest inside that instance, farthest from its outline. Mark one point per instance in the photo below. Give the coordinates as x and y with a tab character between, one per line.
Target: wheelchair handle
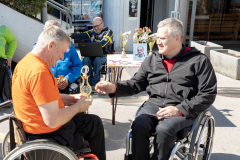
6	103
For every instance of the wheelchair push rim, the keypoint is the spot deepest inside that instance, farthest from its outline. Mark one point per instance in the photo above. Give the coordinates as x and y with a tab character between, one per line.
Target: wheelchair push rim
202	139
35	149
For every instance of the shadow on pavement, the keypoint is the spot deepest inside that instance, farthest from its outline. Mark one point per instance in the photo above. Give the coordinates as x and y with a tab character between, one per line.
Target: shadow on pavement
6	110
224	156
115	135
229	92
220	117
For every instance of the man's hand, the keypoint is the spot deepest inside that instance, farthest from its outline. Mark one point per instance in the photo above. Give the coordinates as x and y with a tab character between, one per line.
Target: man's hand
92	38
169	111
63	85
9	61
83	105
105	87
69	34
76	97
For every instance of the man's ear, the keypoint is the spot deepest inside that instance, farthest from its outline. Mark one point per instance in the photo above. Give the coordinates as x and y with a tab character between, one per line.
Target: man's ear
50	45
178	37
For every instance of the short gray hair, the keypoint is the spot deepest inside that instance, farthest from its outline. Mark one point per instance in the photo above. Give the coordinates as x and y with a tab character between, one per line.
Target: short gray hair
52	23
175	27
52	33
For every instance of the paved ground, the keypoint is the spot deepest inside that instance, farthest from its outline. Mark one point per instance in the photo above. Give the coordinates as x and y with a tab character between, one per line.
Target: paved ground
225	111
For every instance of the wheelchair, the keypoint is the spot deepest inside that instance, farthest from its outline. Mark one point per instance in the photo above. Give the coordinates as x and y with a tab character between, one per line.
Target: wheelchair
16	147
193	143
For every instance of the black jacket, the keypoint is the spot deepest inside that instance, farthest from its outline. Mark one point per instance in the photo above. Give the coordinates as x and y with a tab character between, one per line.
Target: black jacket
191	84
105	37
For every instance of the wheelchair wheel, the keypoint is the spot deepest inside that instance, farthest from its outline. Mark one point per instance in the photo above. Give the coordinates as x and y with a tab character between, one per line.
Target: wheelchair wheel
6	144
202	138
41	150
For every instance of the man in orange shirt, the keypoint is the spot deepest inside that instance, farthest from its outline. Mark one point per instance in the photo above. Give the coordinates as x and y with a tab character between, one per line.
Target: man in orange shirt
39	105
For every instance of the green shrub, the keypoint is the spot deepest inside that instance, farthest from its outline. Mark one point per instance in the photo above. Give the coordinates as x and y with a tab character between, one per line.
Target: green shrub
27	7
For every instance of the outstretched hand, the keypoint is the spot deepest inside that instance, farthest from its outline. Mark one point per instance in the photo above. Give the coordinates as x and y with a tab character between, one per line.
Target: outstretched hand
105	87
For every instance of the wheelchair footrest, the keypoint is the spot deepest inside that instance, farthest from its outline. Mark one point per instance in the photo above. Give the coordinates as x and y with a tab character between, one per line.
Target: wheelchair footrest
82	151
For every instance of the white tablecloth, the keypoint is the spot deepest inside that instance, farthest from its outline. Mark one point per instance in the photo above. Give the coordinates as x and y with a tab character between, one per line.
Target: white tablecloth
128	64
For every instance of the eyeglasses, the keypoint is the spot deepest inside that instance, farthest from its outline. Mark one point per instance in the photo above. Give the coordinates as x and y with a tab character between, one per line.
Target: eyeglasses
97	25
140	50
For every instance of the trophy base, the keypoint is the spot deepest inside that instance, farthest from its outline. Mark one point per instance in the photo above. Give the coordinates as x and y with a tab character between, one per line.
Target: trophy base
88	99
123	55
150	53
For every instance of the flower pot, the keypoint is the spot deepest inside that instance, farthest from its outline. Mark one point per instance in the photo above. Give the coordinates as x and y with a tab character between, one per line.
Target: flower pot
226	62
205	46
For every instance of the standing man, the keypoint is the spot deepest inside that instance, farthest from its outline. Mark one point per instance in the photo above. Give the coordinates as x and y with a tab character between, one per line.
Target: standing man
40	107
99	34
181	84
6	37
69	67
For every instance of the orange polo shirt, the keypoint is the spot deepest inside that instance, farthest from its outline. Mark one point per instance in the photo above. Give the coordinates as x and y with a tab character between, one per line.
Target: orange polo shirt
32	85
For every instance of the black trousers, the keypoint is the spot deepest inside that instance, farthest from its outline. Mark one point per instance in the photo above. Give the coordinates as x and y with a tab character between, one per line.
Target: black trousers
71	134
165	133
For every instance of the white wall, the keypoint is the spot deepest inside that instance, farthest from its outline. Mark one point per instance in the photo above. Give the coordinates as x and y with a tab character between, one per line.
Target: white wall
26	30
160	12
184	5
113	18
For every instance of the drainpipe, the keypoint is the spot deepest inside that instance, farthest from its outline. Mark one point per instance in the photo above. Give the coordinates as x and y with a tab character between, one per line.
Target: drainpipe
44	13
194	6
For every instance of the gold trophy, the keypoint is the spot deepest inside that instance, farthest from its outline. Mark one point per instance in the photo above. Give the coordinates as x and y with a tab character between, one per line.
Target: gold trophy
60	79
85	88
151	41
124	38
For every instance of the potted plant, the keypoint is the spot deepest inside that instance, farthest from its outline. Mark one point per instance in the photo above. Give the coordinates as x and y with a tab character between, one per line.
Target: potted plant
226	62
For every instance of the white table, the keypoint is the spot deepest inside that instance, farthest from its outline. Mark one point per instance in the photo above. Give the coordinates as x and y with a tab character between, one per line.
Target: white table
115	66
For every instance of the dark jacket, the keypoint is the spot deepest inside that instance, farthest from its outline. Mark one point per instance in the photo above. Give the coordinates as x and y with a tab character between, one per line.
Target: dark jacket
105	37
191	84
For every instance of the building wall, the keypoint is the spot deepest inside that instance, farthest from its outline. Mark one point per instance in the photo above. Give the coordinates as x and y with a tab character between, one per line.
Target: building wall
26	30
113	18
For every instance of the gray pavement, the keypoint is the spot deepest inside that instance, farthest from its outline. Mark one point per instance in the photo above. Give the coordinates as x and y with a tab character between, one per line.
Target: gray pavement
225	111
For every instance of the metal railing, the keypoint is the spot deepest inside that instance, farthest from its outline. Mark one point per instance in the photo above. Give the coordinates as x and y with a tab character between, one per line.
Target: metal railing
63	10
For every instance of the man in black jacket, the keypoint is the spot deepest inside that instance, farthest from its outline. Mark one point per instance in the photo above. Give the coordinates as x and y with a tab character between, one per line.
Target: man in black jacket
181	84
99	34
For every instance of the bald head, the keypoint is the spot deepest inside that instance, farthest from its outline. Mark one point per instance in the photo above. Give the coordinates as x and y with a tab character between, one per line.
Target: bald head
98	19
98	25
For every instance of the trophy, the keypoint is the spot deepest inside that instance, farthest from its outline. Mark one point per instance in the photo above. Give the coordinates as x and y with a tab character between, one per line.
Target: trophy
60	79
151	41
85	88
124	38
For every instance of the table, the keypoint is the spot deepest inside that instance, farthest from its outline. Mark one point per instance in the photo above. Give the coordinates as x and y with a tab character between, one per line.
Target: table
115	66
